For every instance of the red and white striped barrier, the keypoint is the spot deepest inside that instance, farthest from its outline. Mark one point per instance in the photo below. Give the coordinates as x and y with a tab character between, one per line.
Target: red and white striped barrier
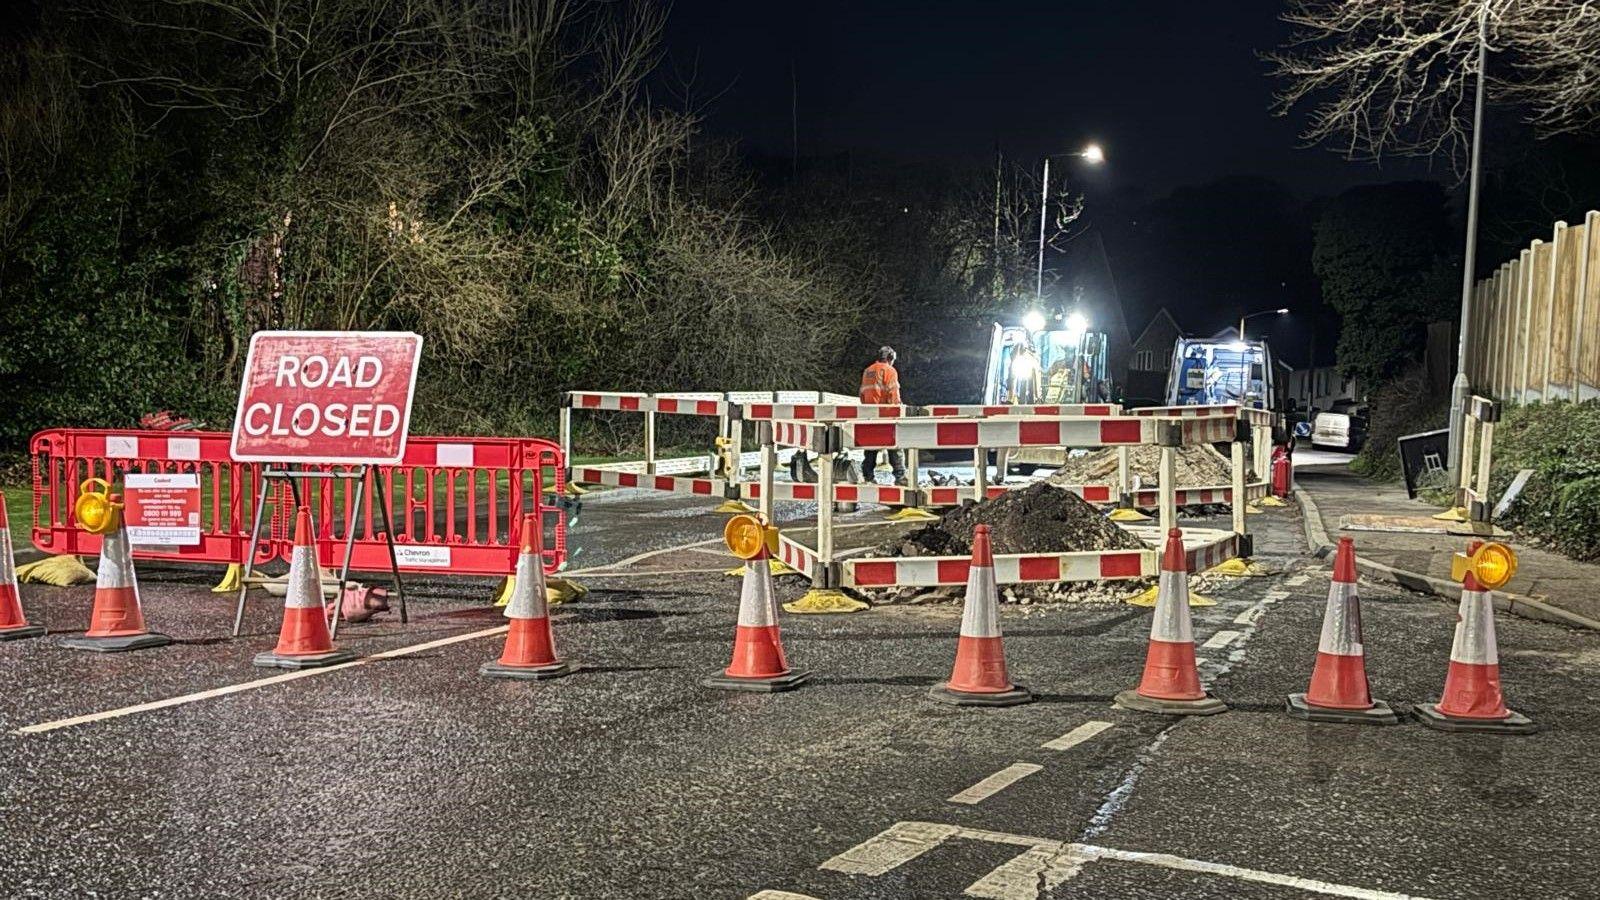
885	494
1208	431
982	411
820	412
802	435
939	571
672	484
684	405
955	496
933	434
1257	417
797	556
1214	553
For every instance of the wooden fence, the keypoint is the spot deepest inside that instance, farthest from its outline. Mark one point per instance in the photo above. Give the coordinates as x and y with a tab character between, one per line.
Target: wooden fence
1535	329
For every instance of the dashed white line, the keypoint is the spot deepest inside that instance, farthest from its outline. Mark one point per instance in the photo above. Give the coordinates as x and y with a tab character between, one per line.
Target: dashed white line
1249	616
1220	639
1077	736
780	895
1045	864
996	783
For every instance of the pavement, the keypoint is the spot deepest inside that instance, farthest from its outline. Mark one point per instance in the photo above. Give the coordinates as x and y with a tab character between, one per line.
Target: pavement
1340	494
408	776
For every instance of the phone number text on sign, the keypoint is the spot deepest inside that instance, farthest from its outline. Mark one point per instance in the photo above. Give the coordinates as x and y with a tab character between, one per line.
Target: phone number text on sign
326	396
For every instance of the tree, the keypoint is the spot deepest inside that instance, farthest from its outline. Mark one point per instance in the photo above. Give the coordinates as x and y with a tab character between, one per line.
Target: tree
1397	76
1383	256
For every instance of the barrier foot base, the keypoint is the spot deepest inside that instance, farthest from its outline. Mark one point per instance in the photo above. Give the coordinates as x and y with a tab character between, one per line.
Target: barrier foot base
1476	529
1378	714
271	660
943	693
1250	509
722	681
231	577
825	600
735	507
775	566
1514	723
1270	500
1205	706
119	644
21	632
498	669
1127	514
1147	598
911	514
1453	514
563	590
1238	568
575	491
502	594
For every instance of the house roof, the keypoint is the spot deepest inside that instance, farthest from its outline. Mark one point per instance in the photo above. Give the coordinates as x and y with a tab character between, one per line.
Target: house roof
1160	314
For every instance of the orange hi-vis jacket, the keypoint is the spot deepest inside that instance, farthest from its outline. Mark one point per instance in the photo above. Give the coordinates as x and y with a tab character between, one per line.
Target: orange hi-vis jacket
880	384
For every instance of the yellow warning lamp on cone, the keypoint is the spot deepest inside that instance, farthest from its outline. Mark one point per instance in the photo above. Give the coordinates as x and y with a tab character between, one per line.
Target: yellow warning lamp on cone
98	511
746	535
1491	564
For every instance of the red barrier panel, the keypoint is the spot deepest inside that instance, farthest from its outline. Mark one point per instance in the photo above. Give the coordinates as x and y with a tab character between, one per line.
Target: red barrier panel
456	503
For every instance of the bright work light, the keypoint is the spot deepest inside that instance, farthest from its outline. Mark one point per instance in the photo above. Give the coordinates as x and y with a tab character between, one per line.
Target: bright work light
98	511
1033	321
1492	564
745	535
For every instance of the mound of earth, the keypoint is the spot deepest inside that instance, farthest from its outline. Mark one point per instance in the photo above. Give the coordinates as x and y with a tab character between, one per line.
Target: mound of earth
1035	519
1196	466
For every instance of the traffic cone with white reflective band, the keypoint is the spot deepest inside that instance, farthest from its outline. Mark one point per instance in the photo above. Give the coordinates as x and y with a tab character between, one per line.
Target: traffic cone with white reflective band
1171	681
979	677
1472	698
117	621
13	622
758	660
1339	690
530	651
303	641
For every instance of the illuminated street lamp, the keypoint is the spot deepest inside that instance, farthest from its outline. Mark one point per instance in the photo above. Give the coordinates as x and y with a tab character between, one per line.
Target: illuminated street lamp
1091	154
1265	312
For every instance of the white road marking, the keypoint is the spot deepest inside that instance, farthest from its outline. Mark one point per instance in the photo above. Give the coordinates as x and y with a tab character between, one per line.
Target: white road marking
1077	735
252	685
1297	580
591	576
1046	864
996	783
1249	616
780	895
1220	639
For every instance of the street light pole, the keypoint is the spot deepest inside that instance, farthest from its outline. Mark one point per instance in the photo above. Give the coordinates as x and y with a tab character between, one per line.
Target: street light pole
1044	208
1461	388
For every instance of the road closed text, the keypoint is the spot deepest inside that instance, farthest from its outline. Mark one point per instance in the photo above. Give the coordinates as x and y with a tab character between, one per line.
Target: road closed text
326	396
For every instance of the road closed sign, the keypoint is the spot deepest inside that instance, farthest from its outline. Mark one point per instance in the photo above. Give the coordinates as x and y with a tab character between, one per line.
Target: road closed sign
326	397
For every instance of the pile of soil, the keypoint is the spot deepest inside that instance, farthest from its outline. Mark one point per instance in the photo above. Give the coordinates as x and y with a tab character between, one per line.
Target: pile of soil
1196	466
1035	519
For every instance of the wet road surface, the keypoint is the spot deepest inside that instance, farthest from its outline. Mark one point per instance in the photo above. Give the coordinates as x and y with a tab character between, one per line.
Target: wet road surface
410	776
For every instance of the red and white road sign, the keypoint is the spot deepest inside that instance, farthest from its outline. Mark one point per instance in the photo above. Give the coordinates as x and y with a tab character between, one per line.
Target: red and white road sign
162	510
326	397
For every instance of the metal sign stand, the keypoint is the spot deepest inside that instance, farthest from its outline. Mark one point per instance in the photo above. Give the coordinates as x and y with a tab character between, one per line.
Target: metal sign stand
288	474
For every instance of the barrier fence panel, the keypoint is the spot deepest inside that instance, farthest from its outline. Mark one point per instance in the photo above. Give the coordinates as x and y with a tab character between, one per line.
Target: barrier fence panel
456	503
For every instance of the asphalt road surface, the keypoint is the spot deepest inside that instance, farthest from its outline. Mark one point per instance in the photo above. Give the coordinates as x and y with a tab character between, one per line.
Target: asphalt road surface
410	776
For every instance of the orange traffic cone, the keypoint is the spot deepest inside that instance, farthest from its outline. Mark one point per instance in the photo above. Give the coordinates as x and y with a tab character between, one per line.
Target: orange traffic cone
1472	698
1171	682
758	660
530	652
117	621
13	622
979	677
1339	691
303	641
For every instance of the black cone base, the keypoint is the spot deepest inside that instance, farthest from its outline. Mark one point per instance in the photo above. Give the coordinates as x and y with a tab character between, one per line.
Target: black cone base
1515	723
527	673
119	644
722	681
1206	706
943	693
1379	714
271	660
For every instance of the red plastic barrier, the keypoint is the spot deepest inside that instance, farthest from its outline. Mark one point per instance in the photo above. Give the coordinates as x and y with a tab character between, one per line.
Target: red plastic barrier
456	503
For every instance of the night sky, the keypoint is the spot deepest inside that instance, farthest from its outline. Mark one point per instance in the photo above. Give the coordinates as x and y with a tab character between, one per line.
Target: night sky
1174	91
